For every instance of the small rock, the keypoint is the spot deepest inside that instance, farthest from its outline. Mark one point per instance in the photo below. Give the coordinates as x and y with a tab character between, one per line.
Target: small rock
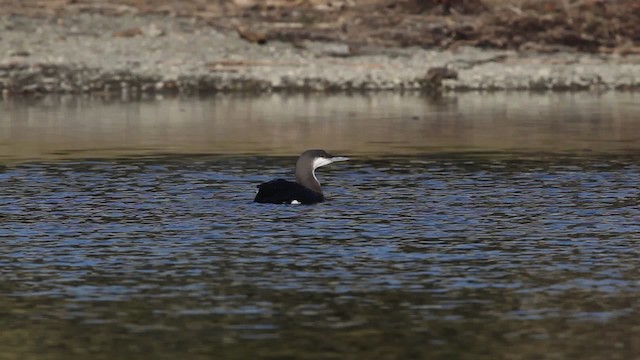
544	72
128	33
328	48
30	88
245	3
435	75
21	53
251	35
153	30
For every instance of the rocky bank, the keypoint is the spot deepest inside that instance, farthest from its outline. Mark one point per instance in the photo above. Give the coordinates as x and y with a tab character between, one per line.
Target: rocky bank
89	52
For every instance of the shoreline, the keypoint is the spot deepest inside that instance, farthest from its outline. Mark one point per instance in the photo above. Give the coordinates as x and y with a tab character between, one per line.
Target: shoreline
93	53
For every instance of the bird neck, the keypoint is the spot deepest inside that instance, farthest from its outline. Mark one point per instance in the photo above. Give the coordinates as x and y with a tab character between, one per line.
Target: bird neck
308	179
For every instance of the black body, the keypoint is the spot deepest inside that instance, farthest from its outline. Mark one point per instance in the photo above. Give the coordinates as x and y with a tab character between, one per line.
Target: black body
306	189
282	191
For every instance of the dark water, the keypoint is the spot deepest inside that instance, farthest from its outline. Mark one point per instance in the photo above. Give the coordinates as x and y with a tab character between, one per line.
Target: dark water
465	254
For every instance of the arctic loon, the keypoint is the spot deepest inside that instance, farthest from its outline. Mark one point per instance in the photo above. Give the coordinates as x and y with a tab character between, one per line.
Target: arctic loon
306	189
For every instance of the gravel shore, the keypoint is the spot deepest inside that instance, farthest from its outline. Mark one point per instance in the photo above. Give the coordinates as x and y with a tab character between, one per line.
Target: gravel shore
97	53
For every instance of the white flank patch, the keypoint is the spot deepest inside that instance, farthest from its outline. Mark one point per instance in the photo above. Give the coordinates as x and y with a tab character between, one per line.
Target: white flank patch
295	202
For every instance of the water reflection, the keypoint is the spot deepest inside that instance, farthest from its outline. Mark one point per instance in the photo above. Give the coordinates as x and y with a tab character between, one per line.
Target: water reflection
382	124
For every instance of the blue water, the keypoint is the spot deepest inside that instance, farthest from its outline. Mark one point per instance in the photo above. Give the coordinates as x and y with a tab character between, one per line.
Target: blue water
465	255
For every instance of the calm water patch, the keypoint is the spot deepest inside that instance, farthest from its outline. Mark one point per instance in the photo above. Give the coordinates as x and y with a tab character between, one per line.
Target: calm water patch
70	127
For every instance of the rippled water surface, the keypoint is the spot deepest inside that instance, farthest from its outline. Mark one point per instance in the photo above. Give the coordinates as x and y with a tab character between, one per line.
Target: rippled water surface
505	234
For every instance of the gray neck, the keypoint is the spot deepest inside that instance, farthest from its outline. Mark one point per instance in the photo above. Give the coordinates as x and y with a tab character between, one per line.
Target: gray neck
305	176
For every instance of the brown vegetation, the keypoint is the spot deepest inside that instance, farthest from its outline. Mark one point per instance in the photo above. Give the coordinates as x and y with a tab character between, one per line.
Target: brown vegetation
541	25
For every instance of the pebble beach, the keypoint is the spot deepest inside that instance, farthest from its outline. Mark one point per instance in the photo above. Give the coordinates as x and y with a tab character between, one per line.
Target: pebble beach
94	53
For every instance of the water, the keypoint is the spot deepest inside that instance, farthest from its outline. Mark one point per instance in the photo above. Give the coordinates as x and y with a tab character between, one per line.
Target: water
473	231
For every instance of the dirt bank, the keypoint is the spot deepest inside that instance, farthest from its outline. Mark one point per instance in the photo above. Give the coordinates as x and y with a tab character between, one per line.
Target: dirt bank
544	25
247	45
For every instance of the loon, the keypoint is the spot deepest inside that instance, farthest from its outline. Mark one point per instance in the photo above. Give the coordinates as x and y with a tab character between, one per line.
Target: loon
306	189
